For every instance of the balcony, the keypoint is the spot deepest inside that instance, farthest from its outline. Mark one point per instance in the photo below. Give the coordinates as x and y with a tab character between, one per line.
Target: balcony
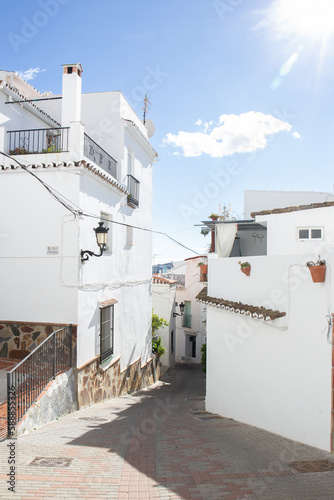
35	141
96	154
186	321
133	188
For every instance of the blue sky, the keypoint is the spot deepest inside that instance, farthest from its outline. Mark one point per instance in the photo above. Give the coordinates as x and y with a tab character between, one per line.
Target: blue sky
241	91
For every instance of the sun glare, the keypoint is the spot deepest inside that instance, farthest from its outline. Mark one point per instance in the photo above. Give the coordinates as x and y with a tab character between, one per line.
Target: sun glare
313	18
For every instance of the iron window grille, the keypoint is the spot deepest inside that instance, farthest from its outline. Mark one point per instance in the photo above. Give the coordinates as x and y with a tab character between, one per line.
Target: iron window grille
106	332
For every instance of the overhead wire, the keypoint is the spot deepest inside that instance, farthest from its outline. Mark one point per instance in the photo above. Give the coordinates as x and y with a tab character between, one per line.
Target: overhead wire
78	212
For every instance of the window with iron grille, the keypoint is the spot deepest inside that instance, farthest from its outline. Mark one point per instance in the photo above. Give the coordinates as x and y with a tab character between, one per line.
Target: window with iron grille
106	332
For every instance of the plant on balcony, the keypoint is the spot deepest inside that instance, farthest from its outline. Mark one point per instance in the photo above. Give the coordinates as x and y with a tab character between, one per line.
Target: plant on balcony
213	216
19	151
52	149
245	267
317	270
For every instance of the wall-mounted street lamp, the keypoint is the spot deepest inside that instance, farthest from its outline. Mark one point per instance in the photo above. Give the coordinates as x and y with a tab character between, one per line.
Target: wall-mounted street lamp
181	306
101	233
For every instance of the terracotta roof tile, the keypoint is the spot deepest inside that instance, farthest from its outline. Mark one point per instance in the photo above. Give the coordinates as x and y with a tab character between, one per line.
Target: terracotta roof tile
294	208
82	163
238	307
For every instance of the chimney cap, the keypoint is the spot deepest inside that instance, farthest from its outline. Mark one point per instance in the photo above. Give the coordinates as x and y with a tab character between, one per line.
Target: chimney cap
76	66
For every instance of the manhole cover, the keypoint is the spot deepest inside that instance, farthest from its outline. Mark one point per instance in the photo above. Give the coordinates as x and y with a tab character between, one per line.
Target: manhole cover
94	419
313	466
51	462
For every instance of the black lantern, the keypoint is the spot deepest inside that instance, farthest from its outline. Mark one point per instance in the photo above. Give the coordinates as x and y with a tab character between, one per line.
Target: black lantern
181	306
101	234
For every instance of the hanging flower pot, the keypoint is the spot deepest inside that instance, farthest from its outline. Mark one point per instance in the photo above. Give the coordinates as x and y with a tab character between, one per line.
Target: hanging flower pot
203	268
245	267
317	270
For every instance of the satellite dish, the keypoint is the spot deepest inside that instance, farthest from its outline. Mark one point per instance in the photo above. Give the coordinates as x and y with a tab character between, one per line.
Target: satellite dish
150	127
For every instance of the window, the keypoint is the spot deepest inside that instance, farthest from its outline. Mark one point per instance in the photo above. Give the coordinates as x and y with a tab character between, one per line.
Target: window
187	314
309	233
107	221
106	330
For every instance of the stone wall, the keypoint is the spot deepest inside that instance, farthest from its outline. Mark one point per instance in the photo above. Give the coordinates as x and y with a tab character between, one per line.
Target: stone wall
17	340
97	383
57	399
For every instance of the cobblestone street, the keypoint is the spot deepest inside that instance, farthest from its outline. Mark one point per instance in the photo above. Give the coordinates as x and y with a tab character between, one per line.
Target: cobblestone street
159	444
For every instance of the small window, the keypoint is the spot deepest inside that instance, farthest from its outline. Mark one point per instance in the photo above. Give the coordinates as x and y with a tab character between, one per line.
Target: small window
129	236
309	233
106	332
107	222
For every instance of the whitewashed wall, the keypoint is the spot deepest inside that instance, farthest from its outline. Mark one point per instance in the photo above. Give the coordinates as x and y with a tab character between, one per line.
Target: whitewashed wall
282	231
35	286
275	375
193	286
163	303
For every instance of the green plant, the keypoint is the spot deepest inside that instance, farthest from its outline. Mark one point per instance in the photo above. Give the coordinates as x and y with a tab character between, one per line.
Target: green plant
243	264
157	322
200	264
320	262
203	358
51	149
213	216
157	347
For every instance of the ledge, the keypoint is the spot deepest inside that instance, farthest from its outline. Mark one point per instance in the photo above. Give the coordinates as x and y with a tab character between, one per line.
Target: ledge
238	307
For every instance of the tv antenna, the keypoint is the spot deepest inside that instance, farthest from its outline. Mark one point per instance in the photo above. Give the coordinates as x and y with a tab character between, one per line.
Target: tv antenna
146	108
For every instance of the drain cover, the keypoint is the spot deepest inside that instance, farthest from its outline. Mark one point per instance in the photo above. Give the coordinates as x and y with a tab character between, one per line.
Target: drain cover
94	419
313	466
203	415
51	462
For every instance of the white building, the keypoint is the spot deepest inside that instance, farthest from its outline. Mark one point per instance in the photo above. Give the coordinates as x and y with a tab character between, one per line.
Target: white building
93	152
191	326
163	303
270	359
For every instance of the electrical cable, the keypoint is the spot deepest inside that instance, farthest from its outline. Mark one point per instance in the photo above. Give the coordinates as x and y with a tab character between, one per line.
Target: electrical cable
78	212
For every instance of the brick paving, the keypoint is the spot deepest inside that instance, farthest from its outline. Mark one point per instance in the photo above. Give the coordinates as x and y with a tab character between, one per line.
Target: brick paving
160	444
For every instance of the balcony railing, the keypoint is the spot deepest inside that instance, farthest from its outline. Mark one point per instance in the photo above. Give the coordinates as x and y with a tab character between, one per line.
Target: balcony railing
34	141
186	320
133	188
95	153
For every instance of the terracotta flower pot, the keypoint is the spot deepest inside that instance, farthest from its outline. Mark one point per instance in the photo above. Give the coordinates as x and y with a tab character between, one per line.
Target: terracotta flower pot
246	270
203	268
318	273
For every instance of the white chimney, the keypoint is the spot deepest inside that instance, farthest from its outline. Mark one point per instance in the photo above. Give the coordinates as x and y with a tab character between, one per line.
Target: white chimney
71	96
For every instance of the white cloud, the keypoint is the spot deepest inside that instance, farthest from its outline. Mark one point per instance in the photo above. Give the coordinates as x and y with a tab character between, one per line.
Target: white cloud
199	122
30	74
244	133
296	135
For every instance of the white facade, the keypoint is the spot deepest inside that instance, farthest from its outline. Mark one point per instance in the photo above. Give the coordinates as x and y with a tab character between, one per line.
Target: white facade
191	327
43	278
275	374
163	303
255	200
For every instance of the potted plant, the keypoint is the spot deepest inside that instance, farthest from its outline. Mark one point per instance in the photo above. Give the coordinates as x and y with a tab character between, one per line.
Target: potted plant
203	267
213	216
245	267
317	270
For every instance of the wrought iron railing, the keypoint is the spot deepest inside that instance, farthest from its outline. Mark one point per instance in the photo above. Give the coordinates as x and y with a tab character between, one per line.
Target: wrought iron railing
186	320
27	380
34	141
95	153
133	188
